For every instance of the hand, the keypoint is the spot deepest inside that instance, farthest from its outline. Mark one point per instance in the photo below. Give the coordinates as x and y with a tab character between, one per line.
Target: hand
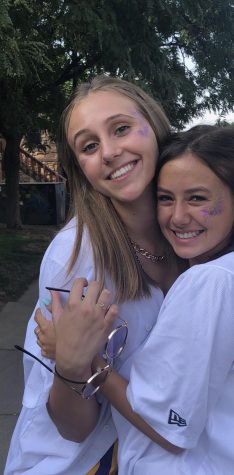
45	333
82	327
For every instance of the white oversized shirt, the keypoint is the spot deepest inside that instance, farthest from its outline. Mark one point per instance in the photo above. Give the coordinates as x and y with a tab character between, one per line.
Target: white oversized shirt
36	447
182	382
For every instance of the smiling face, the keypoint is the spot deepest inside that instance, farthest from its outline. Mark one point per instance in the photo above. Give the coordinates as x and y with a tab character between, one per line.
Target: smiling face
114	144
195	208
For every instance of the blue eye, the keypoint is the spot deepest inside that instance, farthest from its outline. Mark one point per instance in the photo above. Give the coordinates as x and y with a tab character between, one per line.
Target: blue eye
90	147
122	129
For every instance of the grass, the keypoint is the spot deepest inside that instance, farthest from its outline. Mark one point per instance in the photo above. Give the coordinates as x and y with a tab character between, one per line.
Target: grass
21	252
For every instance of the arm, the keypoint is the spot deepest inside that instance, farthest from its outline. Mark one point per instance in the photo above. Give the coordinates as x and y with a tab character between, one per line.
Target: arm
81	330
74	417
114	389
79	411
184	363
61	396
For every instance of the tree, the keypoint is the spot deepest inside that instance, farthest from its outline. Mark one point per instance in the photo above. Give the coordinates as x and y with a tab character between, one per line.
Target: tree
181	51
30	98
24	61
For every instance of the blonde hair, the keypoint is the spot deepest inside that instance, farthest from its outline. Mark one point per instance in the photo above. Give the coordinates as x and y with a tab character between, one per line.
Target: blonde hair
112	249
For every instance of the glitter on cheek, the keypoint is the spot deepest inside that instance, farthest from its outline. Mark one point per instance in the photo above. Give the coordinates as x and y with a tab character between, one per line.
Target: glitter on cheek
144	127
205	212
218	209
144	131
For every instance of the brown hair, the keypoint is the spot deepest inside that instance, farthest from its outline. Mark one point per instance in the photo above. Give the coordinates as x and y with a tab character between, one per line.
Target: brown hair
111	247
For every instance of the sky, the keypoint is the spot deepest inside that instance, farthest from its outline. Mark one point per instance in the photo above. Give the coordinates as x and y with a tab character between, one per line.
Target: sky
210	118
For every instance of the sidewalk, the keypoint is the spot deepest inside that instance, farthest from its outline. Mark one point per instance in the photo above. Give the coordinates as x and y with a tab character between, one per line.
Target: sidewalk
13	321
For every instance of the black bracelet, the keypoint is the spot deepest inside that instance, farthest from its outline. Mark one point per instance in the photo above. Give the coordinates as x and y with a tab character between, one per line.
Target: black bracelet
66	379
55	372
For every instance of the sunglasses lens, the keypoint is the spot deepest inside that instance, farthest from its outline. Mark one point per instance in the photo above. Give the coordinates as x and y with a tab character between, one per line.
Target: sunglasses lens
116	342
94	382
89	391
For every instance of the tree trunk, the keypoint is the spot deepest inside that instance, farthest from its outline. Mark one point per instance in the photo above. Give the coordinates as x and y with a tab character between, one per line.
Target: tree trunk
11	168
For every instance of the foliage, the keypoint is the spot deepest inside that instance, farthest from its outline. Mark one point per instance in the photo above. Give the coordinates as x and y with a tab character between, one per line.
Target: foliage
181	51
27	64
223	123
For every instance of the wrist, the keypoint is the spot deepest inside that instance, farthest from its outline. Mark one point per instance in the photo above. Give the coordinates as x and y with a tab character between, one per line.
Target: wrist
68	380
73	375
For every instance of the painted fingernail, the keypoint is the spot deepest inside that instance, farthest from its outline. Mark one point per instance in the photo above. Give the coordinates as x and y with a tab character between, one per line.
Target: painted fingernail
46	301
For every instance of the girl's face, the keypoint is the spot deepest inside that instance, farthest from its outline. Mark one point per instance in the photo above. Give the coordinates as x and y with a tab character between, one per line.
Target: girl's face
195	208
114	144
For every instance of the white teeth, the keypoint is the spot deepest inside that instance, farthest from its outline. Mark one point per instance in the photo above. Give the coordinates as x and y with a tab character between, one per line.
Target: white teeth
122	171
187	235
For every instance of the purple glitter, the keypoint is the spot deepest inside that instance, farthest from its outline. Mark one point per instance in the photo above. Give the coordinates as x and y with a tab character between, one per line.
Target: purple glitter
144	131
218	208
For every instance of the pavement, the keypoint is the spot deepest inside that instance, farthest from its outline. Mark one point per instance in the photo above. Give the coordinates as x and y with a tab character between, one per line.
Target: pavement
13	321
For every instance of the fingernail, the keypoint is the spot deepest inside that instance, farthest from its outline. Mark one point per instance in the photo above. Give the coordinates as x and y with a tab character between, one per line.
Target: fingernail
46	301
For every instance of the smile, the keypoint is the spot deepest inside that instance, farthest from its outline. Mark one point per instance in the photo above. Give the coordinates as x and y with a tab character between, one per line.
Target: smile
122	171
188	235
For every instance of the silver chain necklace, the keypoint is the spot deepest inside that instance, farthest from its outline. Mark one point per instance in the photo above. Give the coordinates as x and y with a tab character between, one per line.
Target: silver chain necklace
147	254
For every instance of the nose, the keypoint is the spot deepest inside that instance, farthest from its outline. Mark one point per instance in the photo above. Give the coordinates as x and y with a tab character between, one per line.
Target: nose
110	149
180	215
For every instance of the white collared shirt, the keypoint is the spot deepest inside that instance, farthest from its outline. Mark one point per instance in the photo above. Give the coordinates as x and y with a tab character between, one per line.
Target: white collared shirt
182	382
36	446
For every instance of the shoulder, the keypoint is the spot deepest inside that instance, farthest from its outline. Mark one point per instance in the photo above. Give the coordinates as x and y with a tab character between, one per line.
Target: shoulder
222	264
64	239
221	269
203	284
57	256
61	247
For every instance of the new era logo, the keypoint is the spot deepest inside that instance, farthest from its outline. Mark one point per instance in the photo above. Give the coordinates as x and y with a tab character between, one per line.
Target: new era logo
175	418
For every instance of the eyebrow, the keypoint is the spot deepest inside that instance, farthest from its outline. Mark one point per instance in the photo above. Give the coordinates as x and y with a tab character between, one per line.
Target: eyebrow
109	119
190	190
